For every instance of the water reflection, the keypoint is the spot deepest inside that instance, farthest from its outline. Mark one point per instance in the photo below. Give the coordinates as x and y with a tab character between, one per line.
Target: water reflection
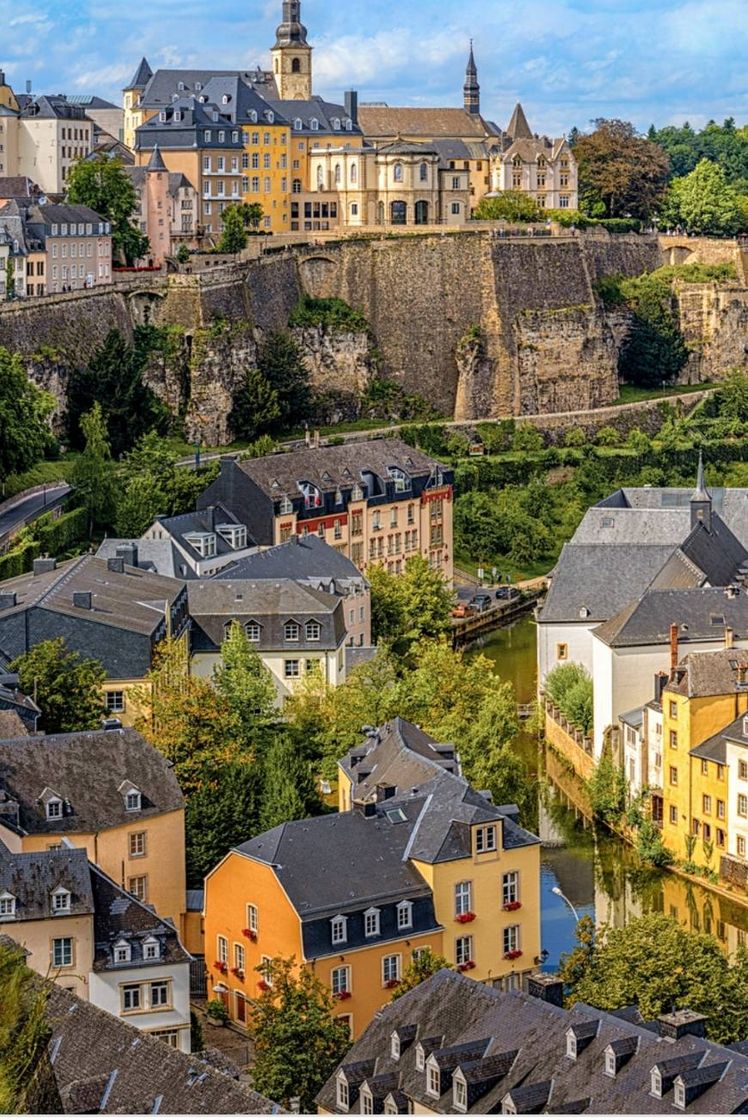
598	874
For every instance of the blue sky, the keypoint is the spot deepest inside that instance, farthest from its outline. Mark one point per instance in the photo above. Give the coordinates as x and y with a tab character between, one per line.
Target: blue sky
569	61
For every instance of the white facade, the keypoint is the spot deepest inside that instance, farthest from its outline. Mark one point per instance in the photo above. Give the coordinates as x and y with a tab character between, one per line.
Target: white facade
111	990
287	667
212	563
561	642
736	759
544	169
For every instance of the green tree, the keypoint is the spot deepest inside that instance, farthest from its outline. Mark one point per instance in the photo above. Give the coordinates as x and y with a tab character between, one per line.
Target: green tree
252	213
732	395
66	686
657	964
234	235
246	686
114	378
607	788
223	810
282	364
289	791
705	202
24	1034
92	474
103	184
405	608
24	417
256	409
183	253
153	484
297	1041
509	206
423	966
624	171
10	277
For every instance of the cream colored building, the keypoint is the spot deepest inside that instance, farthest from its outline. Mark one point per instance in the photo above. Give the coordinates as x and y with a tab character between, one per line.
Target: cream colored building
43	140
536	165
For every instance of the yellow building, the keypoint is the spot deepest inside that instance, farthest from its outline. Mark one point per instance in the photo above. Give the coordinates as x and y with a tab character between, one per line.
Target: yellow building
109	792
705	693
135	113
359	894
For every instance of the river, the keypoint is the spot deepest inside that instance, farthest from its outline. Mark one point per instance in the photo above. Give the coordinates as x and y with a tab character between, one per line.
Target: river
597	873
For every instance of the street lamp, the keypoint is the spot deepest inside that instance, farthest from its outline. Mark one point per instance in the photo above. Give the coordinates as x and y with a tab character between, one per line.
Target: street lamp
560	893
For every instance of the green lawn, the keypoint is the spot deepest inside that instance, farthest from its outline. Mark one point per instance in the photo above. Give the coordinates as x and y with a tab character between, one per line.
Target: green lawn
632	394
51	470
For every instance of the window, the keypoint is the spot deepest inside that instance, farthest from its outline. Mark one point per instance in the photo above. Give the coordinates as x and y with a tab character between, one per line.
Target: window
340	979
656	1083
131	997
171	1038
138	886
463	950
459	1094
367	1103
342	1092
485	838
159	993
720	772
419	1057
252	630
610	1063
7	905
137	844
54	809
742	805
673	814
313	631
511	939
706	803
390	968
741	845
433	1081
743	770
404	915
704	767
62	952
239	957
61	902
463	894
252	916
291	632
339	930
720	838
122	952
571	1045
291	669
674	740
673	709
132	801
222	949
115	701
673	775
371	922
510	888
151	949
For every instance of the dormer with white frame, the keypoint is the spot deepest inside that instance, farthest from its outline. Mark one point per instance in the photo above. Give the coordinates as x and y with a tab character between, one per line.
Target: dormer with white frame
151	948
54	805
7	906
132	796
60	901
122	951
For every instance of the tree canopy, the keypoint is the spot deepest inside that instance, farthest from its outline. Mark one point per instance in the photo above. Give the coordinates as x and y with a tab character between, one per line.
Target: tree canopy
24	1034
152	484
92	474
24	417
509	206
405	608
620	172
104	185
66	686
233	234
704	202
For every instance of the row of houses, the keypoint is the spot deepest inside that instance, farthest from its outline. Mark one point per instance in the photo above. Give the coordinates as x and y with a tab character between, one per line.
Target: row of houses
50	247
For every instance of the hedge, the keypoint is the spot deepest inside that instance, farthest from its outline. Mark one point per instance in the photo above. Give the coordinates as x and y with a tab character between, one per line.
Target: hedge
50	538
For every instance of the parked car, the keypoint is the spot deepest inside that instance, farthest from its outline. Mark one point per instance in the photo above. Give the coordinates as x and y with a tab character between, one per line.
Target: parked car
462	610
507	593
480	602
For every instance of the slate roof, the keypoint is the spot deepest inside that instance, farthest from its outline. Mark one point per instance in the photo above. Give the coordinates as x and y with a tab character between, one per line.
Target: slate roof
530	1035
85	769
604	524
105	1065
190	129
31	877
302	558
518	128
160	557
201	521
162	85
600	579
647	621
715	747
661	503
342	465
398	755
142	75
120	916
242	99
17	186
380	121
316	108
271	603
177	180
713	673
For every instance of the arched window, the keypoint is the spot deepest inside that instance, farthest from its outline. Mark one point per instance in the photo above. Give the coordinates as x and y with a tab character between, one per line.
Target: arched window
354	173
380	219
296	66
399	213
320	177
336	124
423	172
314	124
298	124
397	173
422	213
296	186
337	172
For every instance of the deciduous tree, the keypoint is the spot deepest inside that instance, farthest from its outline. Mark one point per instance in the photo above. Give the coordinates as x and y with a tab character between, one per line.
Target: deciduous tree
509	206
104	185
704	202
405	608
24	417
247	687
419	969
66	687
92	474
233	234
621	169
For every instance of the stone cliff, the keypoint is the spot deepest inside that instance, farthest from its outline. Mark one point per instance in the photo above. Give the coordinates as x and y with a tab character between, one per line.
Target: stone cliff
476	324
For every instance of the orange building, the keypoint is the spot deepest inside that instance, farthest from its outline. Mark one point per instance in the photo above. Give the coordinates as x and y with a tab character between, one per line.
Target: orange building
358	895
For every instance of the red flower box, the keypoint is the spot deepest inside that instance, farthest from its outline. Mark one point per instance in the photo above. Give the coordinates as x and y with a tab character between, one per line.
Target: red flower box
466	966
512	906
469	916
392	983
513	955
343	995
220	966
238	972
250	933
263	986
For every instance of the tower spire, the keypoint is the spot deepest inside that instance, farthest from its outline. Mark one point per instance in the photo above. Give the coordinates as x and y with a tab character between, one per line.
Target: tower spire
701	499
471	89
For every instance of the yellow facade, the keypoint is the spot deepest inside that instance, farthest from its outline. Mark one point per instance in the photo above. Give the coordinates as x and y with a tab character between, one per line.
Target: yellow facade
37	938
135	115
266	176
7	96
695	789
157	876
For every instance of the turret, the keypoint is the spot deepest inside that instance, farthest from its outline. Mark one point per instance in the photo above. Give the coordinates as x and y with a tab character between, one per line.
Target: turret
701	499
471	89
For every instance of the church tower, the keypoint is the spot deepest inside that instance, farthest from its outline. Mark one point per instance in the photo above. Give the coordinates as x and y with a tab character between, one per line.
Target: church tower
471	89
292	56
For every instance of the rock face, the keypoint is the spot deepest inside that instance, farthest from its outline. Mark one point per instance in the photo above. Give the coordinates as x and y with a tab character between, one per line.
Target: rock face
714	322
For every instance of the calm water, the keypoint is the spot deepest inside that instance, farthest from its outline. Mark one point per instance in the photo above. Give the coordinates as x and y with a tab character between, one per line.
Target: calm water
599	875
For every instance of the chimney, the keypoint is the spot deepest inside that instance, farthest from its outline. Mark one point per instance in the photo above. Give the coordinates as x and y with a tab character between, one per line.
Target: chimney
7	600
350	101
316	437
729	637
83	599
661	680
678	1023
673	646
546	986
115	564
44	564
365	808
210	513
128	553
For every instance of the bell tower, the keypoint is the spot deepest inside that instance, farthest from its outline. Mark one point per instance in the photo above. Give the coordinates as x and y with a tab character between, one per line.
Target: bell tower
471	89
292	56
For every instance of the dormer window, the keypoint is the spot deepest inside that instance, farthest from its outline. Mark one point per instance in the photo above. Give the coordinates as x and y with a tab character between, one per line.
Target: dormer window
401	480
420	1058
679	1093
313	630
291	632
122	952
234	535
151	949
132	796
357	493
342	1094
298	124
371	922
459	1094
314	124
208	135
7	906
433	1080
404	915
339	929
54	809
571	1046
286	506
485	838
312	496
61	901
253	630
656	1083
610	1063
395	1046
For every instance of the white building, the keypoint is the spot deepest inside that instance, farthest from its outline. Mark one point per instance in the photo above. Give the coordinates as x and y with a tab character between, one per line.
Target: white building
538	166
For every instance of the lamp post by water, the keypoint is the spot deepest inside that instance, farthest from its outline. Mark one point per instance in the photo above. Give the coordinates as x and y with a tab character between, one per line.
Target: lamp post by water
560	893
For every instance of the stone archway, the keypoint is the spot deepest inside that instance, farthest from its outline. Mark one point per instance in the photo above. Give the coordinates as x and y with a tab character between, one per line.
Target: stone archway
318	276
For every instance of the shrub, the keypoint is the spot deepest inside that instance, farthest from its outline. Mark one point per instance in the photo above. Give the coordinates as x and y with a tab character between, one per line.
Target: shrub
575	437
526	438
334	314
649	845
606	789
607	437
